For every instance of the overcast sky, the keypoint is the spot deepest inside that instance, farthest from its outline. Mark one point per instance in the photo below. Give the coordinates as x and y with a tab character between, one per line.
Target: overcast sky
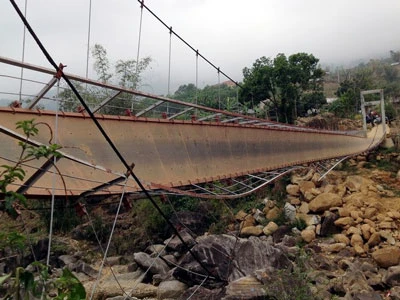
230	33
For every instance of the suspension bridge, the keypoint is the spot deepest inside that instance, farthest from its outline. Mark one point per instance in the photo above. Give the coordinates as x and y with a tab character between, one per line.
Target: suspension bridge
173	146
166	146
220	155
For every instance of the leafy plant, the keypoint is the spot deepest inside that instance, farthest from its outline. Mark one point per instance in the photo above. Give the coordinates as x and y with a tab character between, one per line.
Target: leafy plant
12	173
26	285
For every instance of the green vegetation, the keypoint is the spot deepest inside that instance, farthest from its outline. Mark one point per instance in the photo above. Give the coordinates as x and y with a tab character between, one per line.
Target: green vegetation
14	173
291	84
21	283
40	284
127	73
376	74
290	283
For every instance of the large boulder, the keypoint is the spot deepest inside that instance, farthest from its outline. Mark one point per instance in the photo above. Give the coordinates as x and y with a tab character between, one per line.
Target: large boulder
245	288
228	258
324	202
292	189
156	265
251	231
387	257
328	226
174	243
170	289
356	183
392	277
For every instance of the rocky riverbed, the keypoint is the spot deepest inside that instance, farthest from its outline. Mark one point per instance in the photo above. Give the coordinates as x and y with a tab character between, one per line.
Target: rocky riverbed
331	238
339	240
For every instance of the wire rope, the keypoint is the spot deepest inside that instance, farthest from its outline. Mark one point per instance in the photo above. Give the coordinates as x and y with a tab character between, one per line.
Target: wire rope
138	54
53	181
88	39
185	42
169	68
197	75
23	52
219	90
109	242
102	250
197	288
148	269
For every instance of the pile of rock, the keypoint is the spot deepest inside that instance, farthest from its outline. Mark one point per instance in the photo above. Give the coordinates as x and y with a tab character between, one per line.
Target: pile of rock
347	226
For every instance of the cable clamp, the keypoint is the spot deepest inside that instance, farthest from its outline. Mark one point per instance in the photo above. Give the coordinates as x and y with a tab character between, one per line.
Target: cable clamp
60	71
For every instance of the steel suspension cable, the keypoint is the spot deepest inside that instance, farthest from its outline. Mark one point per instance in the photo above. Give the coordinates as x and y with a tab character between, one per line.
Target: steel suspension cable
219	90
197	75
169	61
169	68
109	241
23	53
138	54
104	134
53	179
187	44
88	39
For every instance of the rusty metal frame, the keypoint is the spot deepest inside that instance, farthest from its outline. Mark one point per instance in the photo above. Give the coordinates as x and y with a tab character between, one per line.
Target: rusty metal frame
158	103
209	117
40	69
36	176
43	92
106	101
102	187
180	113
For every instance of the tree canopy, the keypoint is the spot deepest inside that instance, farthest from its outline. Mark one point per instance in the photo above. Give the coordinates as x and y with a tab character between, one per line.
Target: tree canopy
376	74
128	73
288	85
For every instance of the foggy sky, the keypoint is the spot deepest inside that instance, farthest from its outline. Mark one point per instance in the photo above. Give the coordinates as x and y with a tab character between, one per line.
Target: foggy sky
230	33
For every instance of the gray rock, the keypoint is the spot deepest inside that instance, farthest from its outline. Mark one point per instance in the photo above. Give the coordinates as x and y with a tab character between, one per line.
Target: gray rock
245	288
328	226
66	260
170	260
200	293
155	250
367	296
132	267
82	267
395	293
280	233
290	212
172	289
156	265
392	277
228	258
113	260
175	244
132	276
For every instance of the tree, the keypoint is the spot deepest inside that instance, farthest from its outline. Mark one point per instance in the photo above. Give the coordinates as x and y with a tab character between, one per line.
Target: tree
101	63
127	72
291	84
395	55
348	102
